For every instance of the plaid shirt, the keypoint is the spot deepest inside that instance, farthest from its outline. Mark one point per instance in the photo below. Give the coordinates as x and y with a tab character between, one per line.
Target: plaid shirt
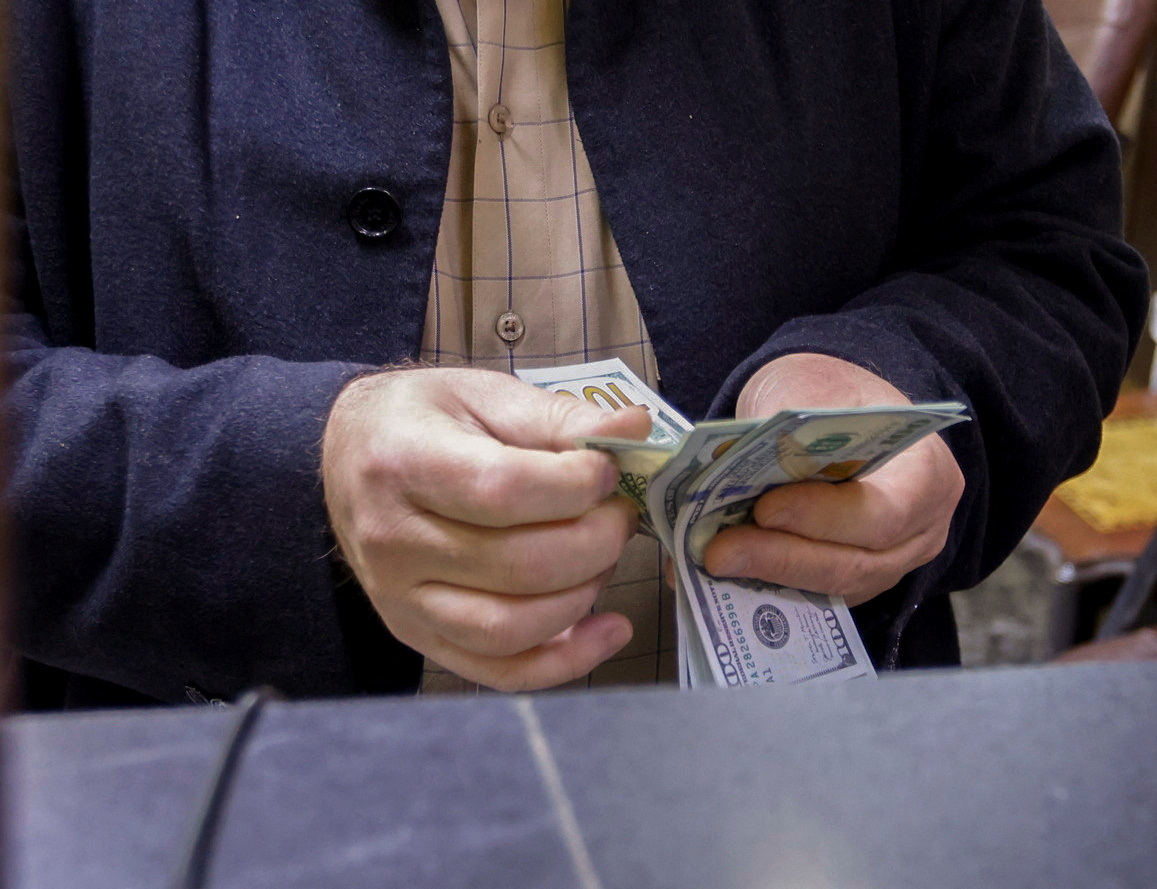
526	271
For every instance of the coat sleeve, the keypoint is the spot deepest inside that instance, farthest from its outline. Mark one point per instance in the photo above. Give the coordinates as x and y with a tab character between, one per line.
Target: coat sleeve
1012	289
172	530
171	525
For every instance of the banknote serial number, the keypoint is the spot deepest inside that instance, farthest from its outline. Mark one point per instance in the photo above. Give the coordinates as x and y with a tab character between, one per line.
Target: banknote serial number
739	634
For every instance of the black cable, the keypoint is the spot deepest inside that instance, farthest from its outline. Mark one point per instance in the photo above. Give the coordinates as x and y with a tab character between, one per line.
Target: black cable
198	846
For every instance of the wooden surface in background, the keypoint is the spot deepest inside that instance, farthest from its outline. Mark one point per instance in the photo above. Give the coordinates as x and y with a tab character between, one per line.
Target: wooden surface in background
1079	543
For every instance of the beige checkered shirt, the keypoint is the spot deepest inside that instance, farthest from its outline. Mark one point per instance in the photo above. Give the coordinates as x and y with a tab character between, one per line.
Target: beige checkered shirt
526	272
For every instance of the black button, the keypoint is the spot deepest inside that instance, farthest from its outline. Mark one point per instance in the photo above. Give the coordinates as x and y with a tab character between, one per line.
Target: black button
373	212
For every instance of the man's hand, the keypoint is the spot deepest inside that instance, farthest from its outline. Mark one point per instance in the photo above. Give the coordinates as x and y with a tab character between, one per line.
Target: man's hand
480	535
853	540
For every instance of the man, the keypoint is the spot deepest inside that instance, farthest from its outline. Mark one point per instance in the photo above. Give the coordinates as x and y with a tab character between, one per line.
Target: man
235	216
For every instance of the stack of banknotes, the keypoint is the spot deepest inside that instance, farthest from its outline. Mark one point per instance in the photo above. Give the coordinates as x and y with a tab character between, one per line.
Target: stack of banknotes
690	480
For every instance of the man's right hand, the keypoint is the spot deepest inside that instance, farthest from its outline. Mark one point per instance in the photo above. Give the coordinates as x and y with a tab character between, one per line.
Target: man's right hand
480	534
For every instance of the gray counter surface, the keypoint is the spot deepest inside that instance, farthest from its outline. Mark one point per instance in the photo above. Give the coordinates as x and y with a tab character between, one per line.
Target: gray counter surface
1043	776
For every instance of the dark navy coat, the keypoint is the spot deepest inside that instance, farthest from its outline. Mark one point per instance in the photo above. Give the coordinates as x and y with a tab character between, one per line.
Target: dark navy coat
923	187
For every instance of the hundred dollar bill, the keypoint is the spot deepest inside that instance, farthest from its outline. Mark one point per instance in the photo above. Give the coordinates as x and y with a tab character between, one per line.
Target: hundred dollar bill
654	478
639	462
807	445
667	487
752	632
689	482
763	634
694	668
756	633
612	385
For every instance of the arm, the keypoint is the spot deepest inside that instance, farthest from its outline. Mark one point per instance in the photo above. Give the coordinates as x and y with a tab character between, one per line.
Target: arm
175	534
173	516
172	529
1011	289
173	524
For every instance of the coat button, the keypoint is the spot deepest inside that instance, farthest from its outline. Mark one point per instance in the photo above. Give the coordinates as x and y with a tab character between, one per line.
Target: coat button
510	327
373	213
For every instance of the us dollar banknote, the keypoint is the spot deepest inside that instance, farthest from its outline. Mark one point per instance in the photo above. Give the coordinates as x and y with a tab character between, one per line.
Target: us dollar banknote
612	385
691	480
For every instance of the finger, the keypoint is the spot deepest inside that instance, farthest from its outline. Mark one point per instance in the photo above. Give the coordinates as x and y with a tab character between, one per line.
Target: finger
429	437
495	625
481	481
862	514
834	569
1139	645
411	550
913	494
525	468
571	654
525	416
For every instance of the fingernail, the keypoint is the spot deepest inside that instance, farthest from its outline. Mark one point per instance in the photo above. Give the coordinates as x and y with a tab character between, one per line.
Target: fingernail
642	412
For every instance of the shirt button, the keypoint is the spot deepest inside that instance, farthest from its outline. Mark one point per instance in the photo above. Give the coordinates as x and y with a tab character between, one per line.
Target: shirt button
499	119
373	212
510	327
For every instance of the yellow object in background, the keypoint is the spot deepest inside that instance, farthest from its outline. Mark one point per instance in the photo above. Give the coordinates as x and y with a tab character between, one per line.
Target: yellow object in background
1119	492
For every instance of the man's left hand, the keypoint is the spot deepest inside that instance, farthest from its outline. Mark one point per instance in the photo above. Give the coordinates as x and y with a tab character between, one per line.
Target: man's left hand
856	539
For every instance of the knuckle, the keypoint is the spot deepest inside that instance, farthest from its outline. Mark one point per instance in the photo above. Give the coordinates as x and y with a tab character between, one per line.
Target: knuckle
855	574
491	632
584	474
562	410
379	483
581	599
386	466
604	534
565	667
782	564
491	489
934	546
1145	640
520	674
957	484
929	545
384	535
720	551
882	534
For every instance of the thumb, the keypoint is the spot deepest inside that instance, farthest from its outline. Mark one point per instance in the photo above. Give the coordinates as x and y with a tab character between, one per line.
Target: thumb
525	416
626	422
577	418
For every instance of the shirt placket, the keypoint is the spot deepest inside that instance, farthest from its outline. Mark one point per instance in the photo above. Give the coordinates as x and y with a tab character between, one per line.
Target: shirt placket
517	298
